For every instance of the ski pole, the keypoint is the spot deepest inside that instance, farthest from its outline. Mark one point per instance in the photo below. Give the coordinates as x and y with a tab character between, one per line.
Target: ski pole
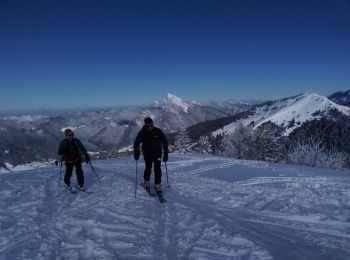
136	179
94	171
60	173
166	171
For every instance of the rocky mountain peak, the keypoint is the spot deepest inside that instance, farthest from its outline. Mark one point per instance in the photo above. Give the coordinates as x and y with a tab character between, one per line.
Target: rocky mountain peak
174	103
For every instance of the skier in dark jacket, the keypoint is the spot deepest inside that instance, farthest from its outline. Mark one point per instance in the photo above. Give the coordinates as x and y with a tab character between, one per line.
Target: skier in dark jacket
71	150
153	140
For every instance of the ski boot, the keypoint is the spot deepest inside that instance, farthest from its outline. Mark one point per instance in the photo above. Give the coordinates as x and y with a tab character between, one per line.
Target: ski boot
158	188
80	187
147	186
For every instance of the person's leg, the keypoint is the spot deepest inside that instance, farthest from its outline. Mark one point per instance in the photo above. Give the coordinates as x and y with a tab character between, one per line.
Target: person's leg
68	175
80	174
157	174
157	171
148	169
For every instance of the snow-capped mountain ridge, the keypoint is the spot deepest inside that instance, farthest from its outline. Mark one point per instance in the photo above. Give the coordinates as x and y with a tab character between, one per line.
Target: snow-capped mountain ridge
303	109
174	113
175	104
289	113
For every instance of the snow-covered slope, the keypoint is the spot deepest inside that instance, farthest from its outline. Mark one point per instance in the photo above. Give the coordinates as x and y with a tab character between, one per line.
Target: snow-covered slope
216	208
289	113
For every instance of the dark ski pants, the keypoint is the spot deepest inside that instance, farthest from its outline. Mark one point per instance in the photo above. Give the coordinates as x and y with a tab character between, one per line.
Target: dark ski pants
69	171
157	170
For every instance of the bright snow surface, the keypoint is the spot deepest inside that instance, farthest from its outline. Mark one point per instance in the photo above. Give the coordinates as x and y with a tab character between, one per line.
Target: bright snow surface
217	208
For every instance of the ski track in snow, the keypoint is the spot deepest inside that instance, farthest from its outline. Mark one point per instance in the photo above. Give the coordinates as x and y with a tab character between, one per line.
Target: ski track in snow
216	208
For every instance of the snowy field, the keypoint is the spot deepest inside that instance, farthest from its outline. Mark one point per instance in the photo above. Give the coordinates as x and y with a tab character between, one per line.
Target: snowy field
217	208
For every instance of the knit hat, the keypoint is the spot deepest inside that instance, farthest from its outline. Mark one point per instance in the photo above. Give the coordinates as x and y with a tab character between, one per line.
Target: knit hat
148	120
68	132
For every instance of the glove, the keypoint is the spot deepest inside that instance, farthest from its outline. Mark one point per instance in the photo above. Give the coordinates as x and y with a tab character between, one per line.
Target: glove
56	163
136	154
87	158
165	157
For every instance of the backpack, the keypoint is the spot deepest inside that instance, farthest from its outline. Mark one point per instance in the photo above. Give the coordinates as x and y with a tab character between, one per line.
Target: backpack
71	151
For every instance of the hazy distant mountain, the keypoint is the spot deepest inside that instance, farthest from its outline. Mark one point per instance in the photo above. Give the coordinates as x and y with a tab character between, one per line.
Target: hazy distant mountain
30	138
341	98
231	106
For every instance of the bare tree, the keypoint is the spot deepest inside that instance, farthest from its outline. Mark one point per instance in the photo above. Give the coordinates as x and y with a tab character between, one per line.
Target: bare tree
312	153
239	143
204	144
183	142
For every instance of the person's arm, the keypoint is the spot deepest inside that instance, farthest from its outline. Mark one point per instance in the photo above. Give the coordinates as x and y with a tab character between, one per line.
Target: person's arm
137	143
138	140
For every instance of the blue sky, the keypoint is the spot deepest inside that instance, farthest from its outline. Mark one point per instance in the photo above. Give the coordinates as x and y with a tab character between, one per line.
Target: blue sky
83	53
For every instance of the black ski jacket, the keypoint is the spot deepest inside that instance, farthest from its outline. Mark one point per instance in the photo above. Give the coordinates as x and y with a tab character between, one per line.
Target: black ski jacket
152	142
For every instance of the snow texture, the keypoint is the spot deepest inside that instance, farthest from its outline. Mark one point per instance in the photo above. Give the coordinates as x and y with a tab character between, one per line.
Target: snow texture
217	208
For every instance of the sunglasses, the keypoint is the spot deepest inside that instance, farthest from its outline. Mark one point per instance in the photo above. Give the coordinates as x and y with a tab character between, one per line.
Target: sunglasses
148	125
70	135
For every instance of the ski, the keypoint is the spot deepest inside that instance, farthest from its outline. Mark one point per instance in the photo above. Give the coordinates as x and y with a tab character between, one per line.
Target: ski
155	194
61	194
73	191
152	194
85	191
70	190
161	198
80	189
